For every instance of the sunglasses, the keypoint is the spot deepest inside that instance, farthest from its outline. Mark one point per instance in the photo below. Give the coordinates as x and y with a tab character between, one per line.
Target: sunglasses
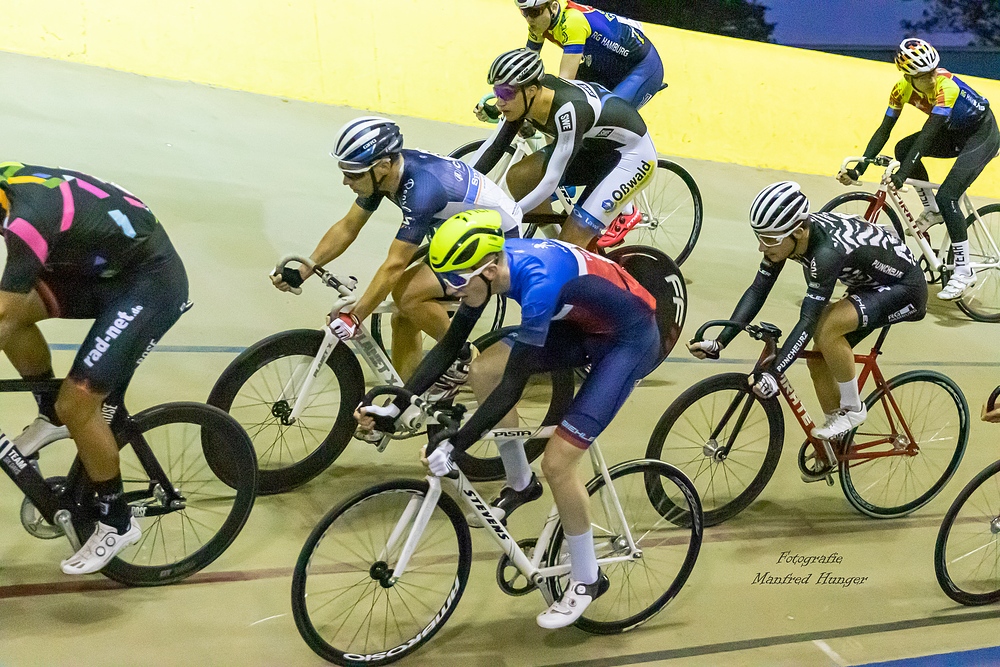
770	241
533	12
459	281
355	175
505	92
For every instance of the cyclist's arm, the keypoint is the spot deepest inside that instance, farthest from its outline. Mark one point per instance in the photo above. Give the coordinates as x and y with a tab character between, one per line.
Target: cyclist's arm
493	148
570	64
817	297
935	123
879	139
569	137
341	235
752	300
400	255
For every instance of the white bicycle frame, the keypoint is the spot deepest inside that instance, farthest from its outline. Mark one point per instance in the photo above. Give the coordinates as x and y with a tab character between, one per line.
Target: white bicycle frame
413	522
936	260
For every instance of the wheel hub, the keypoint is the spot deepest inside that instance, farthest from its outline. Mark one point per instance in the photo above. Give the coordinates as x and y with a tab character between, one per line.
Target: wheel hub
382	573
282	412
714	451
995	525
900	442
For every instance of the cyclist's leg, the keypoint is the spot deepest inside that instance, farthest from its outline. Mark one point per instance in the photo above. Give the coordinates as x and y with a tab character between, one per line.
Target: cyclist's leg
902	149
642	82
827	390
526	174
29	354
417	297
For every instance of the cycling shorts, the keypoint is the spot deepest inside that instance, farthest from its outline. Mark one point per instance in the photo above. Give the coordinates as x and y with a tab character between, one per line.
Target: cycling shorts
131	313
611	178
617	363
642	82
877	307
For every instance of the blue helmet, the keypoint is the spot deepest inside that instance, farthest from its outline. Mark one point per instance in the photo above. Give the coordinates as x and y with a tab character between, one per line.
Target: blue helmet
364	141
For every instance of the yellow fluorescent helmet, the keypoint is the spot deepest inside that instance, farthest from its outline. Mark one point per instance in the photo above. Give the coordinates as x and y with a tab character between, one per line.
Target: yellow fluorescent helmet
464	239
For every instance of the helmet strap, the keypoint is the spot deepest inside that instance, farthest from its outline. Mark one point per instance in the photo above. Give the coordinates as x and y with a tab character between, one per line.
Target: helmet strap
555	15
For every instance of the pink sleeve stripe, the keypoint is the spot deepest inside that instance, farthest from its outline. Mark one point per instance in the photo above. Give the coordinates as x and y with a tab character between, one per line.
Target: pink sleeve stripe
69	210
92	189
135	202
30	235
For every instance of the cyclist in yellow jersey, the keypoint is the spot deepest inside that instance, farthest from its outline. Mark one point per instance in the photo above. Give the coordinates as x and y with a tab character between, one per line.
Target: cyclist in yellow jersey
960	125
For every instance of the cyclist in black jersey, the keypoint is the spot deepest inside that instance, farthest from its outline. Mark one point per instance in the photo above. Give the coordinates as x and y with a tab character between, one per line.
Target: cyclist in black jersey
884	286
600	142
81	248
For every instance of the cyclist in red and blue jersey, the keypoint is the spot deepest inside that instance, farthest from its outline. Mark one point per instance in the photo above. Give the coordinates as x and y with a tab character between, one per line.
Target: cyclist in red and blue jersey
81	248
598	47
960	125
576	308
428	189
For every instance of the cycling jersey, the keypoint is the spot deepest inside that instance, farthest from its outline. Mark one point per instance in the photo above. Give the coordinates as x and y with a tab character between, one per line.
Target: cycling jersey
576	308
609	45
867	258
619	157
434	188
952	98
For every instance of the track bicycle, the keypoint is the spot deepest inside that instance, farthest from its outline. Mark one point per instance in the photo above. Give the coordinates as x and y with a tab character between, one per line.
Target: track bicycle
981	302
295	393
383	572
670	203
189	475
967	549
728	440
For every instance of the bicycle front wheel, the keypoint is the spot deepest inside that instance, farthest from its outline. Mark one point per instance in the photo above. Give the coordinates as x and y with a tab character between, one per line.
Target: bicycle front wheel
967	550
204	455
671	212
858	203
908	448
725	438
348	605
259	389
982	301
667	531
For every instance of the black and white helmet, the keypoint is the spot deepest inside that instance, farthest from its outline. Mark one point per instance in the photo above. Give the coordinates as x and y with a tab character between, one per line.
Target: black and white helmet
779	208
528	4
519	67
915	56
364	141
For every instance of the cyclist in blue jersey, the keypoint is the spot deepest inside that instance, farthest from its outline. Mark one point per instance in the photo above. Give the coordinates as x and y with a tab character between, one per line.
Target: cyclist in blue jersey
428	189
576	308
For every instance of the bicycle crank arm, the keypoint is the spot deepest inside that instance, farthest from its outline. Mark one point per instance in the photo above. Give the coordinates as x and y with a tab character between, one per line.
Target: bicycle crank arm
65	521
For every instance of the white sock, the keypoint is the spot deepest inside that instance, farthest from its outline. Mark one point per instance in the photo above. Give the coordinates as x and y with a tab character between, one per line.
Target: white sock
628	209
849	398
582	559
515	462
927	199
961	250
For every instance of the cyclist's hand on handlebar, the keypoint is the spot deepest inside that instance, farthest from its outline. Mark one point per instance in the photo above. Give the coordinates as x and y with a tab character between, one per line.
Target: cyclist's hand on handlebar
992	416
849	176
705	349
290	280
439	462
898	181
763	384
377	417
480	111
343	325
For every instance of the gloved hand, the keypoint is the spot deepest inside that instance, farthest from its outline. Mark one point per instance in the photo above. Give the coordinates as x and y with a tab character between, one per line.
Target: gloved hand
377	417
898	180
439	461
343	326
480	111
849	177
764	385
705	349
290	280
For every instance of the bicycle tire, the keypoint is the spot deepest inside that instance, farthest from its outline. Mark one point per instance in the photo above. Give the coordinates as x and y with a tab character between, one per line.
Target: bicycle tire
154	560
673	543
311	563
984	524
841	204
248	379
671	222
916	411
697	459
478	467
982	301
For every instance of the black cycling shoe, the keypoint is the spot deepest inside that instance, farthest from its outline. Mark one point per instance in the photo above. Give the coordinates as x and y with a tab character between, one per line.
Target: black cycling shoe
509	499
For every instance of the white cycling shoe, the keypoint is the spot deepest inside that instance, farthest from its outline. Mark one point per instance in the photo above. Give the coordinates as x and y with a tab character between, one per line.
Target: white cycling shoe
38	434
575	600
841	424
925	221
957	286
102	546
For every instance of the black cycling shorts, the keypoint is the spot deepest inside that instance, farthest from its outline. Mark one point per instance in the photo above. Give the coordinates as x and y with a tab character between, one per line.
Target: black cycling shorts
878	307
131	312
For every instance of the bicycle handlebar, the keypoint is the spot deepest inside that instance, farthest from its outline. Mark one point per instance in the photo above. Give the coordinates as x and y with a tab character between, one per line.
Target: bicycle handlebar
440	416
344	286
764	331
991	402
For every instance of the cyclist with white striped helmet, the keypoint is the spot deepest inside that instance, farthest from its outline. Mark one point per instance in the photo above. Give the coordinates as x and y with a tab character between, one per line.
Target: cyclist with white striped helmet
960	125
428	189
884	286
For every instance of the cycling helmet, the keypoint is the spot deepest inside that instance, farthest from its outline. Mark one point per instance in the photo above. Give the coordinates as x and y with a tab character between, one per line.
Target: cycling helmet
779	208
528	4
915	56
364	141
519	67
464	239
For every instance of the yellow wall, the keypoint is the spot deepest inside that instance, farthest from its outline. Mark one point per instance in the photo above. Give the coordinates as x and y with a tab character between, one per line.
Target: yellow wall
729	100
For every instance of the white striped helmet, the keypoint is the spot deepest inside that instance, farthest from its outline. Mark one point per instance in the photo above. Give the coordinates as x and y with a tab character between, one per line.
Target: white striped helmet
364	141
519	67
528	4
915	56
779	208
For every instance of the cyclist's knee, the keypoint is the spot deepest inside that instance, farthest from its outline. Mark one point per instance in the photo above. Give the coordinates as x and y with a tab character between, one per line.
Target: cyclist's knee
817	364
77	401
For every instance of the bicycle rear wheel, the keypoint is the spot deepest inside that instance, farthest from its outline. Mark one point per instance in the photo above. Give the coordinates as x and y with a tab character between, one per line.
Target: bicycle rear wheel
671	212
259	389
915	436
858	203
202	453
667	531
982	301
967	550
345	605
696	428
